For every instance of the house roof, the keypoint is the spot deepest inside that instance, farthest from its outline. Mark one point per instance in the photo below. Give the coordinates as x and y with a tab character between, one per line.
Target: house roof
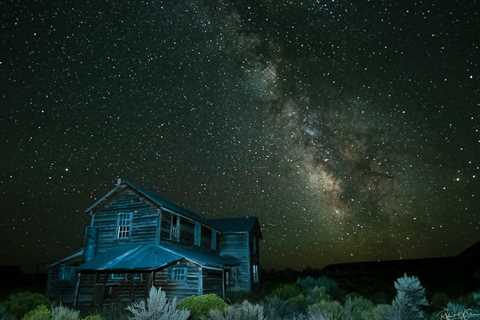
151	196
153	257
239	224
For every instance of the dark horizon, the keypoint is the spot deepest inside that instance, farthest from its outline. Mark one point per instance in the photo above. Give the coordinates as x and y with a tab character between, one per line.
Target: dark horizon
351	130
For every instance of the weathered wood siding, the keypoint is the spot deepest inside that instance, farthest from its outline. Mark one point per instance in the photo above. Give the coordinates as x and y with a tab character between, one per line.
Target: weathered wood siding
58	290
212	282
237	245
180	289
145	221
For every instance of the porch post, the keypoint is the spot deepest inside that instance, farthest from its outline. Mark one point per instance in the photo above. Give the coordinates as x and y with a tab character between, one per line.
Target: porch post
77	289
223	283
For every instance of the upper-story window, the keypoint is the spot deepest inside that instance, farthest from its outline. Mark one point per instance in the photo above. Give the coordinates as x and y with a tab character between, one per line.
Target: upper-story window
124	222
175	228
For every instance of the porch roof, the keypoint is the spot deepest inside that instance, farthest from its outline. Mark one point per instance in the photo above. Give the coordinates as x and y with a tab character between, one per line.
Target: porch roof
154	257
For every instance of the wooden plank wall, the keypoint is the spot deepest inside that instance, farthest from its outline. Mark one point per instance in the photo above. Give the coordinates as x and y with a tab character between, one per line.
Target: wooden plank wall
59	291
144	221
179	289
237	245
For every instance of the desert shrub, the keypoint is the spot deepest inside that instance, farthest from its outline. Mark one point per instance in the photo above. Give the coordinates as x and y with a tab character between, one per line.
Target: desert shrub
64	313
329	284
276	308
157	307
201	305
439	300
331	310
409	301
358	308
244	311
287	291
93	317
18	304
297	304
476	298
41	312
4	314
318	294
380	311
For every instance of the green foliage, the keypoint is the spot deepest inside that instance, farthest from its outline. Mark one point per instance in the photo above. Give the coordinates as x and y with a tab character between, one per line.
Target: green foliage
409	301
64	313
331	310
244	311
318	294
4	314
298	304
287	291
358	308
18	304
41	312
476	298
93	317
380	311
157	307
330	286
201	305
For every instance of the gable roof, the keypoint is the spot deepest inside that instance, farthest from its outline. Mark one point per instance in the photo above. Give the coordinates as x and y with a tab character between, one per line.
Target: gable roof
151	196
238	224
154	257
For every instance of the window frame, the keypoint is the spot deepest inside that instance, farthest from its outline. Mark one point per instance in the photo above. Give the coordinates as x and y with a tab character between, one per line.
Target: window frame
255	273
178	274
124	225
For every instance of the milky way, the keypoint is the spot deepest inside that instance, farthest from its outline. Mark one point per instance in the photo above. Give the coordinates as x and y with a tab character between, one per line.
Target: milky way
351	130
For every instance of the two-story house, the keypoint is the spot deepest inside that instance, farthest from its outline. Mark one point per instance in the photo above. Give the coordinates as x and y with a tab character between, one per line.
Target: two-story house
137	239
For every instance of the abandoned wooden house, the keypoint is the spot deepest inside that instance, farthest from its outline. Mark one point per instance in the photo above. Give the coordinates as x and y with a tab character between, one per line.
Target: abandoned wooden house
137	239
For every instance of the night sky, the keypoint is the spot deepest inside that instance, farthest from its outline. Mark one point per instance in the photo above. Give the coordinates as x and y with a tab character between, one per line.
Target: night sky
351	129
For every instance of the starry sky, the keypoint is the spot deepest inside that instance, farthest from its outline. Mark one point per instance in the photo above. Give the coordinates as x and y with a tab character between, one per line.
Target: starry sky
350	128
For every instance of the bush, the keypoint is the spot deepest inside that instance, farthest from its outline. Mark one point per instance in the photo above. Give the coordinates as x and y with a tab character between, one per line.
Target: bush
93	317
41	312
381	311
18	304
4	314
330	285
157	307
244	311
331	310
318	294
287	291
64	313
409	301
201	305
358	308
298	304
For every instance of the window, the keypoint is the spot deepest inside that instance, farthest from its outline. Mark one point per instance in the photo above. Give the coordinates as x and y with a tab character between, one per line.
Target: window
233	278
175	228
255	273
178	273
66	273
117	276
124	225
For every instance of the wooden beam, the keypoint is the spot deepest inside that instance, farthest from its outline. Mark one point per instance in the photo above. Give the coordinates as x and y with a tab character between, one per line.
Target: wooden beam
223	283
200	281
77	290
